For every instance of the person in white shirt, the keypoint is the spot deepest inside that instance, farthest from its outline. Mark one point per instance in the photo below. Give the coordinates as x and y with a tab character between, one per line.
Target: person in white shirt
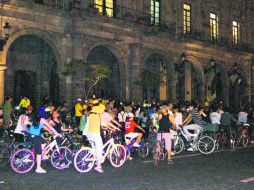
215	116
242	116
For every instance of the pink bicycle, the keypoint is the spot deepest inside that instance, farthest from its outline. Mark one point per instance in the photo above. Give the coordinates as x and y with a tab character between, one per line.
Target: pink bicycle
23	160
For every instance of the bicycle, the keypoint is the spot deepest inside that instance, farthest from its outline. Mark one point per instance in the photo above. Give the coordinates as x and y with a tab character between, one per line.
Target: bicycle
202	142
143	150
23	160
85	158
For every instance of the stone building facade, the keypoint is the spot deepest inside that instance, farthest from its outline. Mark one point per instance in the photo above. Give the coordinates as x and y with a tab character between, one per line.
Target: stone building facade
200	49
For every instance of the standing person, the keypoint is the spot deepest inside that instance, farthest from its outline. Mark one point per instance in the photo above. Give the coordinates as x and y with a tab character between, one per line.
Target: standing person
24	103
145	122
1	122
226	120
166	123
7	111
178	118
78	111
215	116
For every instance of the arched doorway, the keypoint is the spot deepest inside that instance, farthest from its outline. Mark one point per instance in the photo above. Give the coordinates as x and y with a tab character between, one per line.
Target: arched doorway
154	77
112	86
31	70
237	87
189	82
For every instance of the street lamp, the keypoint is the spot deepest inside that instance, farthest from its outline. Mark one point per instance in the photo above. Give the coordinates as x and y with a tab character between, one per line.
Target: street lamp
6	28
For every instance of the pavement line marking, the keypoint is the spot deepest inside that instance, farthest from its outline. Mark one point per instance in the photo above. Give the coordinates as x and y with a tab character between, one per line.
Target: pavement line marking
247	180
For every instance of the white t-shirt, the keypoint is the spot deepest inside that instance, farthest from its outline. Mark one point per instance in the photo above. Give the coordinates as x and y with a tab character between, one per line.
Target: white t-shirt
215	117
122	116
178	119
19	128
242	117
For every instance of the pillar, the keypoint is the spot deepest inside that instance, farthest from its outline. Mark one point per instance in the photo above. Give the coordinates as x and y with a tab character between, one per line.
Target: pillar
187	82
135	71
2	69
163	87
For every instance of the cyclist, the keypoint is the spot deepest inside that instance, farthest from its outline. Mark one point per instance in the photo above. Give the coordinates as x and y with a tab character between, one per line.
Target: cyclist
195	115
94	131
130	125
38	141
21	125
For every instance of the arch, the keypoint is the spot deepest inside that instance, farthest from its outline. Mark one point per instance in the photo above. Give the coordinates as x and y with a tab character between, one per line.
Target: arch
49	44
121	61
160	72
33	32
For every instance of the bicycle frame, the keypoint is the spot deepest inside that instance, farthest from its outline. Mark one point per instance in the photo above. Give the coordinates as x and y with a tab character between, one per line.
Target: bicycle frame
109	144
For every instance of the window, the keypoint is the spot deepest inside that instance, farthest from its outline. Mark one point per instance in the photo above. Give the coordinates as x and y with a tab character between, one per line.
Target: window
214	20
105	7
186	18
155	12
236	33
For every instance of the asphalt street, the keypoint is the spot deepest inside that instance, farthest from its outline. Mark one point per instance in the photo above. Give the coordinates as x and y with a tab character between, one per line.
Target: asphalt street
191	171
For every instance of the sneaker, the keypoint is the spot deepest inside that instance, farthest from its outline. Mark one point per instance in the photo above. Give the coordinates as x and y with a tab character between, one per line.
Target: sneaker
40	171
172	153
190	149
99	169
130	158
136	144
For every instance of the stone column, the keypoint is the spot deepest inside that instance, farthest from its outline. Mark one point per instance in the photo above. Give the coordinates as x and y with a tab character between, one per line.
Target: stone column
134	71
188	81
163	87
2	69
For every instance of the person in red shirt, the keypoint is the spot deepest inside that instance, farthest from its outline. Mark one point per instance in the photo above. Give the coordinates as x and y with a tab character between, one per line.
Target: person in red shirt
130	130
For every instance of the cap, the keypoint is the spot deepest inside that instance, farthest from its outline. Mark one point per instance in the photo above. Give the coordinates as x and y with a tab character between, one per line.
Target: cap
95	102
79	100
130	115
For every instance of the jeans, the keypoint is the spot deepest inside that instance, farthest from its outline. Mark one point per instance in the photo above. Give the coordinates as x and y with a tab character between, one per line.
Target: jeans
194	127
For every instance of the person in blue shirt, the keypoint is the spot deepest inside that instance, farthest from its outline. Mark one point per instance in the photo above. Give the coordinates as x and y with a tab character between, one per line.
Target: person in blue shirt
39	143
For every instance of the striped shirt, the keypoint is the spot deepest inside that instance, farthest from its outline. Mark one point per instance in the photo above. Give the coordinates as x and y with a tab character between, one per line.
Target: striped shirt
196	117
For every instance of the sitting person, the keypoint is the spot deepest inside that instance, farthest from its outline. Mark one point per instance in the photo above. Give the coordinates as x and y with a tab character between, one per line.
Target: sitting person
38	141
130	130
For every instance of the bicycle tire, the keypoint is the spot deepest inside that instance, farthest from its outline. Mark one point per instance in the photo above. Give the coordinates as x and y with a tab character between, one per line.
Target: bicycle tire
84	157
117	155
62	159
179	145
206	144
17	157
143	150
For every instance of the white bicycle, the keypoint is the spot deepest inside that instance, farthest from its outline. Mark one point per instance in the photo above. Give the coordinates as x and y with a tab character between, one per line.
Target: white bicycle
85	158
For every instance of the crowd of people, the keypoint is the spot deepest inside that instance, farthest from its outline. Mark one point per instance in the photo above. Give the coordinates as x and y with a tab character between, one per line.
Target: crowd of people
148	120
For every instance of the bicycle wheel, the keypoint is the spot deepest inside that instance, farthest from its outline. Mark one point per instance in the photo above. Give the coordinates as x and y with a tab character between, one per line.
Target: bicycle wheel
206	144
179	145
244	141
5	154
84	160
117	155
61	159
22	161
143	150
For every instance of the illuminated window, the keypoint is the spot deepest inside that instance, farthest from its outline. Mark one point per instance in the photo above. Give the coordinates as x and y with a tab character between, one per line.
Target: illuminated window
214	25
236	33
105	7
186	18
155	12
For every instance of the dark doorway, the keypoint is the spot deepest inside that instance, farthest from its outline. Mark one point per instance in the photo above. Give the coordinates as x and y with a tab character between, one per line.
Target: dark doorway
24	85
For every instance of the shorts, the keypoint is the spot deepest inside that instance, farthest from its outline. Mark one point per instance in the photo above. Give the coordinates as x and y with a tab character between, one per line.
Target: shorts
167	138
37	142
131	136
